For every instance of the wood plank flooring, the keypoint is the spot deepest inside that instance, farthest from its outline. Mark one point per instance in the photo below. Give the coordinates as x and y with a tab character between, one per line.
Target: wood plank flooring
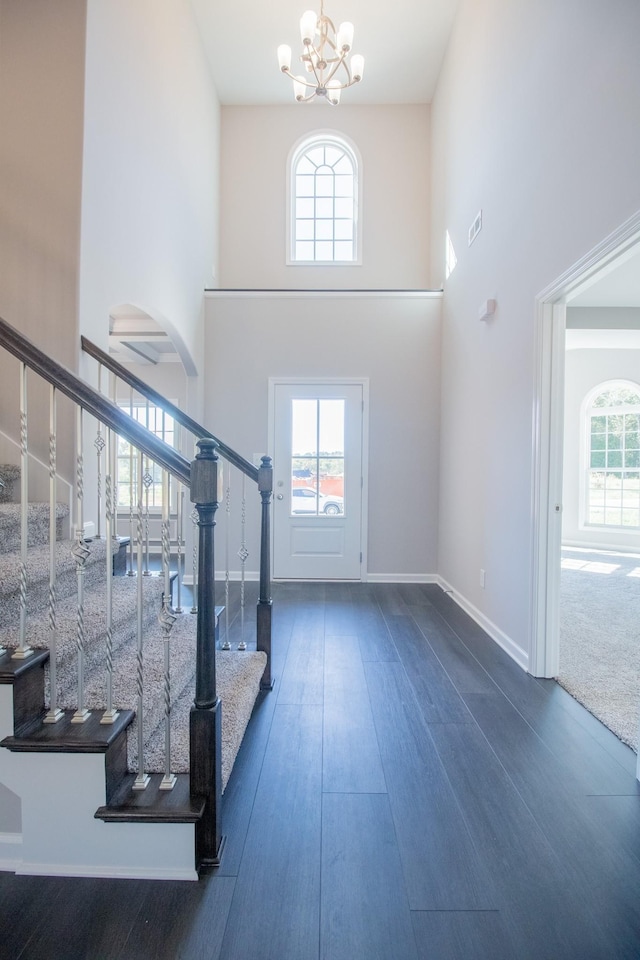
405	792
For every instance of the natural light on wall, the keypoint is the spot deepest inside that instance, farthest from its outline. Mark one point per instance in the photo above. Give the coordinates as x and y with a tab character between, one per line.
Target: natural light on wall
450	258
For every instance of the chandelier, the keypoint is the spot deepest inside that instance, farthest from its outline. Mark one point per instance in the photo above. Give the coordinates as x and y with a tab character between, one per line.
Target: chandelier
328	72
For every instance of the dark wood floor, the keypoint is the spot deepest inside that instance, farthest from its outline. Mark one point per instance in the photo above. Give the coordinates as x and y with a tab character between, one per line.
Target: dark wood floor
405	791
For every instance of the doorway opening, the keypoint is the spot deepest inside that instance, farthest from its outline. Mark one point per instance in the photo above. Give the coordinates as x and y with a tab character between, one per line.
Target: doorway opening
608	276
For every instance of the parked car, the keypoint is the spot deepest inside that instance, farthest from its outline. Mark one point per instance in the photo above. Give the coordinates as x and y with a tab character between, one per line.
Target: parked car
308	500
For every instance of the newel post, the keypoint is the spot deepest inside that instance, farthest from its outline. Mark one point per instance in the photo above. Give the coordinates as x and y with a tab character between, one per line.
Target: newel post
205	720
265	486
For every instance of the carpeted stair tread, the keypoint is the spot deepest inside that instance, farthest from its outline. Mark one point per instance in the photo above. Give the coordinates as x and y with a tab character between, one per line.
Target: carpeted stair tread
95	616
38	576
238	676
124	683
37	520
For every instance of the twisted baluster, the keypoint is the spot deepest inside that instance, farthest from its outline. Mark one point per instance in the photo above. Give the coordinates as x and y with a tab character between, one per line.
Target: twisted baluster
142	779
179	544
54	713
80	552
147	481
23	651
130	571
167	620
110	715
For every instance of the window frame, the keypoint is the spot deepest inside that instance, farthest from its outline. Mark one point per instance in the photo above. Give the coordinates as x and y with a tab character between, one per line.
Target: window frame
308	142
155	509
587	412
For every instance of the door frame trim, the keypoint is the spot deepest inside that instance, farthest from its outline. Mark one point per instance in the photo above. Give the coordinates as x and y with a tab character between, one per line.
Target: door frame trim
548	438
364	500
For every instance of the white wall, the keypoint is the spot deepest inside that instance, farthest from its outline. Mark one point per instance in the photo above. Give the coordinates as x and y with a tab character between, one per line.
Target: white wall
395	342
534	122
151	154
394	145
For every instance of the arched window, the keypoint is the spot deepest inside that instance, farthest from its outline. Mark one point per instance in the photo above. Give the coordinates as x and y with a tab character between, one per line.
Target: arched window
324	202
613	456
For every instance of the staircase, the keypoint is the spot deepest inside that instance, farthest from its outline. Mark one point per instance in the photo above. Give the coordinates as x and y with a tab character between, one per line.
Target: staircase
119	718
34	767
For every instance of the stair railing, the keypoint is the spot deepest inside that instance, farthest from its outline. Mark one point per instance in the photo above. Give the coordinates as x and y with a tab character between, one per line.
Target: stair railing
201	477
261	476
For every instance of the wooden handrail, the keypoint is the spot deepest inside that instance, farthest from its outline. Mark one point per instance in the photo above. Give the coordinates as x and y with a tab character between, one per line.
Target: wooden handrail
158	400
94	402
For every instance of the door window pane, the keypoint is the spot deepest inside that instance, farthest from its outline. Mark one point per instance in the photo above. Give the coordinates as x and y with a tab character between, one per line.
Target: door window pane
317	460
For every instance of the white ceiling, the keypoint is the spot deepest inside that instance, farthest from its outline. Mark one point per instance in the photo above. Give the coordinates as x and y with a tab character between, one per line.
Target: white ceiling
403	44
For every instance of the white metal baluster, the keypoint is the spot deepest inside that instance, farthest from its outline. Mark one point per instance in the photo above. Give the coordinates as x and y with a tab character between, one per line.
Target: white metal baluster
179	545
147	480
194	558
167	620
110	714
99	444
130	571
243	553
142	779
227	499
54	713
23	651
80	552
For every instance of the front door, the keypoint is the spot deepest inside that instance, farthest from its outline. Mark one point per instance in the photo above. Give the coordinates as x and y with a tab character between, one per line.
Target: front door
318	480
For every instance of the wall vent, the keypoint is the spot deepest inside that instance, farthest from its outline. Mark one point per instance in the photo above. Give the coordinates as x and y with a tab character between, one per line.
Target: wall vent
475	227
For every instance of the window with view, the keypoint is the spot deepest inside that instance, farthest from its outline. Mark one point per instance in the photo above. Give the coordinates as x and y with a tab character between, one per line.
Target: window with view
324	202
613	465
163	426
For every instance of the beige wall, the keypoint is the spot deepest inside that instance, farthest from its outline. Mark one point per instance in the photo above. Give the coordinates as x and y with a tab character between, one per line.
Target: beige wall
393	142
42	47
41	122
534	122
395	342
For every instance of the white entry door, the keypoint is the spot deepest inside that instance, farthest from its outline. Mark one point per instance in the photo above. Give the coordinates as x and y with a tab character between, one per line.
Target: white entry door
318	480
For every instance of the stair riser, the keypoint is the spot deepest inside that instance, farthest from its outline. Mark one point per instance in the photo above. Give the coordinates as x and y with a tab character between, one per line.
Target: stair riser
38	591
38	529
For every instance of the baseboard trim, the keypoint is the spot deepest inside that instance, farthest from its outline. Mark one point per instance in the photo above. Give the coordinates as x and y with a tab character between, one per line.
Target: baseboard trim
10	852
516	653
402	578
112	872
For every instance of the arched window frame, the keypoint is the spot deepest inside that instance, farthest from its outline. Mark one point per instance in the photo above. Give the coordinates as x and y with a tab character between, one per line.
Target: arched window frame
317	139
588	411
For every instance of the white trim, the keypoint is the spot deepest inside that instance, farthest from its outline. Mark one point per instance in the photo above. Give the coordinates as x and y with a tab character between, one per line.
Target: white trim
363	382
10	852
257	294
547	436
403	578
113	872
502	639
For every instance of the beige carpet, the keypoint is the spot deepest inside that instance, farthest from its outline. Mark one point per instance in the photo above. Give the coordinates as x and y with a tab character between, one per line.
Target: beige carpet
600	636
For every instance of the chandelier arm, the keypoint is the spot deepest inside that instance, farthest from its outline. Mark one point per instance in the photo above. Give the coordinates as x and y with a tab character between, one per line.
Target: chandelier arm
299	79
335	69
